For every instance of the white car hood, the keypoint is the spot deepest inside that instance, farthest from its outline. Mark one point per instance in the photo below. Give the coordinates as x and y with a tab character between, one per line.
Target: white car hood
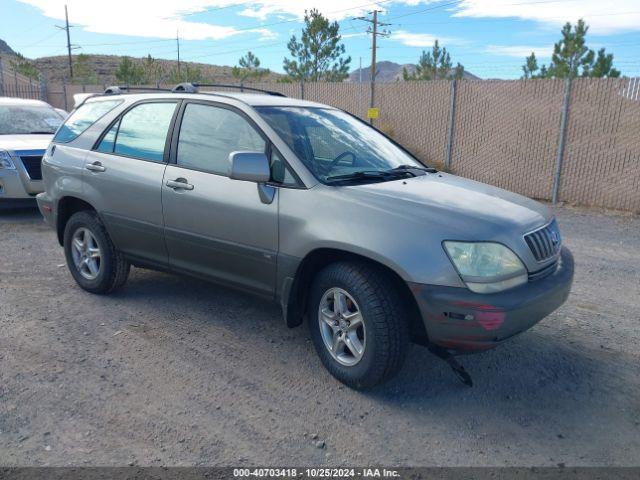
14	143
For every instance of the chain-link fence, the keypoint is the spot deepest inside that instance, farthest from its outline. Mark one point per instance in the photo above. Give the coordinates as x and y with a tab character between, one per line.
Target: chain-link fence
573	141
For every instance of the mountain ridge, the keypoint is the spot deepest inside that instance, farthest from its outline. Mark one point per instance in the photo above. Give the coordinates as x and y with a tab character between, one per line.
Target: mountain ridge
387	71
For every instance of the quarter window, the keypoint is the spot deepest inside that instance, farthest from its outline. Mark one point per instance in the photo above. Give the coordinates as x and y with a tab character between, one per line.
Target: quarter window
209	134
143	131
83	118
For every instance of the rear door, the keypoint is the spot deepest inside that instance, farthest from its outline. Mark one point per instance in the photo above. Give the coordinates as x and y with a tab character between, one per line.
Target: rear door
124	178
214	226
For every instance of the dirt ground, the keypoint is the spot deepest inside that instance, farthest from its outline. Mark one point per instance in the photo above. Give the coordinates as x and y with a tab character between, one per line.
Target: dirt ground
175	371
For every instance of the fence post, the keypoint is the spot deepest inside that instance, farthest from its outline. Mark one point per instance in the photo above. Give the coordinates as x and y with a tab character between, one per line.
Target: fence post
302	88
452	120
42	87
561	140
1	78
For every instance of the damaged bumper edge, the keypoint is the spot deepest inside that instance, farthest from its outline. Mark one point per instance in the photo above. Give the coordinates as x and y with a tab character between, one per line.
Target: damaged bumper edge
463	322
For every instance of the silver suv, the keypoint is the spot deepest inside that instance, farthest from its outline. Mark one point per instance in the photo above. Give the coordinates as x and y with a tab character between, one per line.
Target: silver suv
26	129
306	205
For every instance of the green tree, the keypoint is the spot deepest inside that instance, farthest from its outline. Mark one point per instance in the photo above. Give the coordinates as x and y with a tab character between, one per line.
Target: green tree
188	73
530	68
83	72
319	53
434	65
249	68
153	71
572	58
603	66
129	72
24	67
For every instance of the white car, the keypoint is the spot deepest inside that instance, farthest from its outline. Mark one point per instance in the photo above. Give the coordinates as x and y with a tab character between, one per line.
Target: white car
26	128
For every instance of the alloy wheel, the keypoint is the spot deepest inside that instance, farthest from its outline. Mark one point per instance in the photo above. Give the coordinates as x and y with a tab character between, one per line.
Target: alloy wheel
342	326
86	253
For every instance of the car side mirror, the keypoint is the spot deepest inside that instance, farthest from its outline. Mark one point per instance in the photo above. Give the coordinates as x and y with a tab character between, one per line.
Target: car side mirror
249	166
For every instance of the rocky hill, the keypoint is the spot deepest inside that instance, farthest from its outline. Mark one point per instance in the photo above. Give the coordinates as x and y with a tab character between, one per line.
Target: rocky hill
56	69
6	49
391	72
100	69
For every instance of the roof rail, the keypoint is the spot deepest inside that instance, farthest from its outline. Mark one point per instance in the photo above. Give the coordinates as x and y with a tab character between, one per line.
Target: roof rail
193	88
118	89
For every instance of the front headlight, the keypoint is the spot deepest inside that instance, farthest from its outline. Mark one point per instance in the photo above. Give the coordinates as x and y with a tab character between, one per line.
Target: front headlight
5	161
486	267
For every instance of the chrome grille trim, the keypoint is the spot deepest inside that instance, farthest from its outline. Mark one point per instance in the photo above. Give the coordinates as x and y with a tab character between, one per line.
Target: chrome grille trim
545	242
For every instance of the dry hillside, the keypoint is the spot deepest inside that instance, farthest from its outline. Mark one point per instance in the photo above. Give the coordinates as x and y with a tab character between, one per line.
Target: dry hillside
55	69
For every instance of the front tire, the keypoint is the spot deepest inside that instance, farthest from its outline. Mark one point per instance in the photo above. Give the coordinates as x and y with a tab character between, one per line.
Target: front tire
357	323
92	259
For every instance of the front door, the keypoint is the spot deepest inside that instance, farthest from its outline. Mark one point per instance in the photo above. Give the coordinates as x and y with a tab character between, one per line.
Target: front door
123	179
214	226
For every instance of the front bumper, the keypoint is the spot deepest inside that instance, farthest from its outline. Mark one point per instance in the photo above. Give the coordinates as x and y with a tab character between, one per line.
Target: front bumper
462	321
16	184
45	205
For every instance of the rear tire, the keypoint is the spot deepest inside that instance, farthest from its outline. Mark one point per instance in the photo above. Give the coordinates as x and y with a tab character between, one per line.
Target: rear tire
363	340
93	260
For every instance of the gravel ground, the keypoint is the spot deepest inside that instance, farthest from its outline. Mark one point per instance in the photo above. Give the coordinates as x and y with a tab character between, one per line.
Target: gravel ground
175	371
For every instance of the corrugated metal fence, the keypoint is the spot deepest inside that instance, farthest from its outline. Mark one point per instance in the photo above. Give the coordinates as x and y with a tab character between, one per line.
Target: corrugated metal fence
578	139
13	84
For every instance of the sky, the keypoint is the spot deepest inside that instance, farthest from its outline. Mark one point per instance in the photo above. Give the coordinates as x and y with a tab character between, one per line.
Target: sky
490	38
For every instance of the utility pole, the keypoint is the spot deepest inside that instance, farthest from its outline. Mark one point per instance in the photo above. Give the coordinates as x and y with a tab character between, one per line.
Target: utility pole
178	45
373	29
70	47
66	20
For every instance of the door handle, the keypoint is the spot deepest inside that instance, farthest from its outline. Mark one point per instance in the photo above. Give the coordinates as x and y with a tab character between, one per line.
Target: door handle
179	184
95	167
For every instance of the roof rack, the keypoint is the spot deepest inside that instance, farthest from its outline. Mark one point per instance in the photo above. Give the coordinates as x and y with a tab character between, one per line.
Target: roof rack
118	89
193	88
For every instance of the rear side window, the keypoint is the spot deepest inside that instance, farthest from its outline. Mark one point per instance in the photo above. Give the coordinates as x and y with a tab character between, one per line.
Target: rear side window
141	132
209	134
83	118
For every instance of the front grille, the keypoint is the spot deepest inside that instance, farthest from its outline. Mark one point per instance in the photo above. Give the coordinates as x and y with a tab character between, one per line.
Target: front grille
543	272
33	165
544	242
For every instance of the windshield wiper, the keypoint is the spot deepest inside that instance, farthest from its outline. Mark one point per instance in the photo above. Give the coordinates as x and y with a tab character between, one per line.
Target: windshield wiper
38	132
412	168
366	175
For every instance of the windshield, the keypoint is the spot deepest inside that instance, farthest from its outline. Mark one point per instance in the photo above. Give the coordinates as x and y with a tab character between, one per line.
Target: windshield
26	119
333	144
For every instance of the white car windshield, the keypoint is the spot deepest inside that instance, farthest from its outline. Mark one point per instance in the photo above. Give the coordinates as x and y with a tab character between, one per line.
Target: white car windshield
335	145
28	119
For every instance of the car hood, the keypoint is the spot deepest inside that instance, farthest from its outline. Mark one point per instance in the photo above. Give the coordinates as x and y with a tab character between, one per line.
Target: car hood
25	142
458	206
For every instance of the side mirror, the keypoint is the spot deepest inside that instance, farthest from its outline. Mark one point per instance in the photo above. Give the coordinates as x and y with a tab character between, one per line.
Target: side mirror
249	166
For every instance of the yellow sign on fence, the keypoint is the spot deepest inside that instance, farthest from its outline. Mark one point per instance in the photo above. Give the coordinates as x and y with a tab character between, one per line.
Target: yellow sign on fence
373	113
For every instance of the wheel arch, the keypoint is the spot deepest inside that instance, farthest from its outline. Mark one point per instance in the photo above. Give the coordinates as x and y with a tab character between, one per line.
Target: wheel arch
296	296
66	207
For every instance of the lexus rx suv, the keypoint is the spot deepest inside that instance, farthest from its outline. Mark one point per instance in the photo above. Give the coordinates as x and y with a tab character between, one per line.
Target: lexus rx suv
308	206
